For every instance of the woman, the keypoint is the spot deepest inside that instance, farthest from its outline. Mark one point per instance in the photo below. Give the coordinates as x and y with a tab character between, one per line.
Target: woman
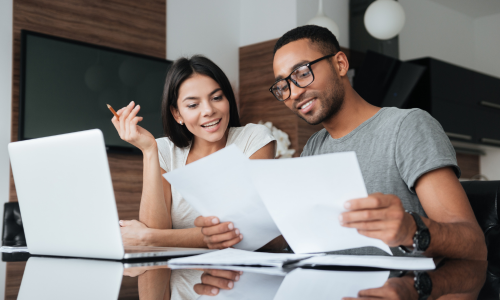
200	117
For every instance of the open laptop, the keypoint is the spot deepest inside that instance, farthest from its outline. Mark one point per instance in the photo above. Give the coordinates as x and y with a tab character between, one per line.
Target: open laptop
67	201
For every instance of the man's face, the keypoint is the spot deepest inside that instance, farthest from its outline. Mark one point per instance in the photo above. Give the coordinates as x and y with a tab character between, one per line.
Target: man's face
320	100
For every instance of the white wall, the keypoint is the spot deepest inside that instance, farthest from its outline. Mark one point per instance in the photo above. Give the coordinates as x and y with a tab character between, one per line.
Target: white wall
337	10
205	27
487	44
5	109
432	29
264	20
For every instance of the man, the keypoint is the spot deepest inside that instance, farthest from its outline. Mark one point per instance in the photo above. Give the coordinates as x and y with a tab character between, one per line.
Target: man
406	159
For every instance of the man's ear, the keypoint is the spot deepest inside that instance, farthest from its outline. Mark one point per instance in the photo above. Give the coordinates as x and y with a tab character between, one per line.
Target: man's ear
177	116
341	63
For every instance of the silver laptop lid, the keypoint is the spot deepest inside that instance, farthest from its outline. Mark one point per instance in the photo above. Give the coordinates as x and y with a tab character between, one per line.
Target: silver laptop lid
66	196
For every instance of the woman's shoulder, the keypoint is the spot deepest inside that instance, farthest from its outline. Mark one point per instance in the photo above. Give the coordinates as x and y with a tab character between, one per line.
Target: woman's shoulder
250	138
248	130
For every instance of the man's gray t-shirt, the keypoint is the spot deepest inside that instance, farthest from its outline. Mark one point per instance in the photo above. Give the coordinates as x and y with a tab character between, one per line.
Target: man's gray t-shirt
394	148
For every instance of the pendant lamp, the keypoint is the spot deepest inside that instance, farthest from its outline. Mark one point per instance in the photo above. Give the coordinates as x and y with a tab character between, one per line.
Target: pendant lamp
384	19
322	20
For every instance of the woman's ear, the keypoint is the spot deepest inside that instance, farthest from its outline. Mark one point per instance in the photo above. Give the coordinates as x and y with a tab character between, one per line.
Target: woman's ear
177	115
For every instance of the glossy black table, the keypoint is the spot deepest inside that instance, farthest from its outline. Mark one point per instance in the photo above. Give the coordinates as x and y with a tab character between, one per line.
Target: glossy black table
63	278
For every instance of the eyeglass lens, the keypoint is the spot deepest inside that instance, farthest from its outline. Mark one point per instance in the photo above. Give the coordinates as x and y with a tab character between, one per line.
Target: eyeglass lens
301	77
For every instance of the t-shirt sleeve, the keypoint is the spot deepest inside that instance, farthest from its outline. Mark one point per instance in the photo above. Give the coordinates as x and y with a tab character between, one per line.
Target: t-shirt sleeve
255	137
422	146
164	153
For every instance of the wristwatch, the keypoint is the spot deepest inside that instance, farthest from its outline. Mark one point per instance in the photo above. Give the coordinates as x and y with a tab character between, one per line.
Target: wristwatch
422	237
423	285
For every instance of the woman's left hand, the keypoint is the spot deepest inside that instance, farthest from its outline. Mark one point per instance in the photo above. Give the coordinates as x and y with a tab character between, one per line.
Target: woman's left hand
134	233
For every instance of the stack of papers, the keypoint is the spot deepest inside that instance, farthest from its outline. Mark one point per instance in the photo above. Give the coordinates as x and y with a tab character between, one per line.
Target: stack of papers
238	257
235	257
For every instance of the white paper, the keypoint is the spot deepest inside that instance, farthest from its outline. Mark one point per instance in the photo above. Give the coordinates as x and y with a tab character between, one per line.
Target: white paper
231	256
219	185
305	197
383	262
261	270
8	249
251	286
320	284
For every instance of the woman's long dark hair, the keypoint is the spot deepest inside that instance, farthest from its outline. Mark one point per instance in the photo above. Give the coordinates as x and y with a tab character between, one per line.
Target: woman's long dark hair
181	70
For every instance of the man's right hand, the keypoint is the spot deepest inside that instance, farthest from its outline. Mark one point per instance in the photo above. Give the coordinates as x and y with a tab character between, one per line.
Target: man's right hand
218	235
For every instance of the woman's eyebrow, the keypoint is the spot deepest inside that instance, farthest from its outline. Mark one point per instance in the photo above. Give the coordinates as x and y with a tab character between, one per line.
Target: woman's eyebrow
190	98
196	98
214	91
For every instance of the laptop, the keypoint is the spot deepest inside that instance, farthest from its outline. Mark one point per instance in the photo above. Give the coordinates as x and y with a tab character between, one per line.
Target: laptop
67	201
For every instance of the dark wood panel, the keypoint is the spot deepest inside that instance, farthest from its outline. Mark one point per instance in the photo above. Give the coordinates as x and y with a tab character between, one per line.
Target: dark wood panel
14	274
130	25
258	104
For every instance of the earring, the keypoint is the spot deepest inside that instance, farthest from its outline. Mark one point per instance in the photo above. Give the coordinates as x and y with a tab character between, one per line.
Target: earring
181	123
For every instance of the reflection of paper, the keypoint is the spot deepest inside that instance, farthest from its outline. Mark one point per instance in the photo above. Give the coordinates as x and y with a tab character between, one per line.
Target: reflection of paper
260	270
251	286
219	185
320	284
57	278
383	262
305	197
239	257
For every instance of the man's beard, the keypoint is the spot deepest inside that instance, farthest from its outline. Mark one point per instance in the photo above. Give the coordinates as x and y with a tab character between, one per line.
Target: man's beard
331	104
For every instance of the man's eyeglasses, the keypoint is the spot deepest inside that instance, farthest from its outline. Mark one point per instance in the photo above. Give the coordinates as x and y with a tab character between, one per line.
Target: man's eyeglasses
302	76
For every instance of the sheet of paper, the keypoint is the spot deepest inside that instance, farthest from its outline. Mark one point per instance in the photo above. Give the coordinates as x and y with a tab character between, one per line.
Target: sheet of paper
305	197
383	262
8	249
220	185
320	284
231	256
251	286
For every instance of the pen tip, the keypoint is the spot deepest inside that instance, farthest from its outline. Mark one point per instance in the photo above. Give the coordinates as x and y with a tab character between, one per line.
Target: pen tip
108	105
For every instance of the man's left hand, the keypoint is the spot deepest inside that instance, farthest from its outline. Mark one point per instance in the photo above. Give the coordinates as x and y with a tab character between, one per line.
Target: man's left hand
382	217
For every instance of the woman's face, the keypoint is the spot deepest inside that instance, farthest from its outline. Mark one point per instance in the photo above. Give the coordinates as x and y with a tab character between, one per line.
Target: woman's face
203	108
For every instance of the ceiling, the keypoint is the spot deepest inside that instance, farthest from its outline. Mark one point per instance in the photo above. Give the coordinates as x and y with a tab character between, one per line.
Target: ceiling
473	8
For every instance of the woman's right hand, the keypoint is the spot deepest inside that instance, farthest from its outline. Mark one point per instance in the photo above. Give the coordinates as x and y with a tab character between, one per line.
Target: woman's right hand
130	132
218	236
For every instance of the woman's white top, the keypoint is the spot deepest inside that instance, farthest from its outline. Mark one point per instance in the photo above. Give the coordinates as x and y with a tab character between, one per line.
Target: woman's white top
248	138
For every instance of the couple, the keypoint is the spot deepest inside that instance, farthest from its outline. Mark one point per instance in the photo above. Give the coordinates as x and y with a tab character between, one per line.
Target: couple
407	161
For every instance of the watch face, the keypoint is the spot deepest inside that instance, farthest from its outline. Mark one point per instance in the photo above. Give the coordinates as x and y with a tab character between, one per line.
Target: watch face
424	240
423	284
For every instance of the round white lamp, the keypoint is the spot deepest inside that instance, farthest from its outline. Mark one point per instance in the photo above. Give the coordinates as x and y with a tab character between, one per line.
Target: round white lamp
384	19
322	20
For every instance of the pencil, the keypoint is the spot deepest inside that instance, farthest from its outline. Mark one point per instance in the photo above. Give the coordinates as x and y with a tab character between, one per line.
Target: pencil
113	111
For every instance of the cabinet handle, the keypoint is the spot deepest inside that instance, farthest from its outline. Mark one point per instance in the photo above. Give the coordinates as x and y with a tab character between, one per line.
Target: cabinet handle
489	104
459	136
491	141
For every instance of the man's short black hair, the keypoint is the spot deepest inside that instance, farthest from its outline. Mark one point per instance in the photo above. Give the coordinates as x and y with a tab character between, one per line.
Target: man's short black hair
323	38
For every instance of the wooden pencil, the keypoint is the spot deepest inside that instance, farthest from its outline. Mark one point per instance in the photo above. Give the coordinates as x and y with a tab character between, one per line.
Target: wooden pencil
113	111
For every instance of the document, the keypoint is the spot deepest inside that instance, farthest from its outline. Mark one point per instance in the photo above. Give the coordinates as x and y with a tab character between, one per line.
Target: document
9	249
320	284
238	257
305	197
382	262
220	185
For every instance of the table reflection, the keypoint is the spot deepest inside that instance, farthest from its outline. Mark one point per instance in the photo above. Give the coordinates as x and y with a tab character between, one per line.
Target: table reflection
57	278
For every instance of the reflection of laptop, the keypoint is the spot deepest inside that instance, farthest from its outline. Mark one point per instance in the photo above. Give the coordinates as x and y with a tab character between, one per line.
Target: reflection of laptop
67	201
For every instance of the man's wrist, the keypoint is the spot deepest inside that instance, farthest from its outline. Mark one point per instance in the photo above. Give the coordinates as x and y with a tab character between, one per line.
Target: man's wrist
411	230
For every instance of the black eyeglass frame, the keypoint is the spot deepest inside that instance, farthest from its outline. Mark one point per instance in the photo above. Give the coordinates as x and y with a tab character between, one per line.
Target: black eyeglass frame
289	77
